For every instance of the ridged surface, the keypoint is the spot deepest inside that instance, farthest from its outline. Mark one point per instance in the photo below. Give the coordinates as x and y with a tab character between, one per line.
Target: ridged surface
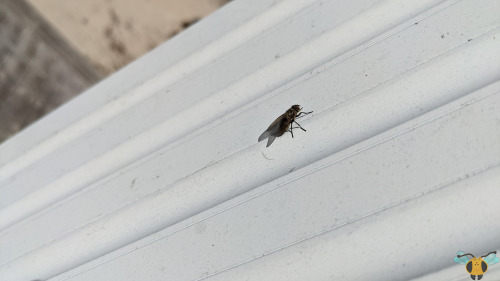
162	178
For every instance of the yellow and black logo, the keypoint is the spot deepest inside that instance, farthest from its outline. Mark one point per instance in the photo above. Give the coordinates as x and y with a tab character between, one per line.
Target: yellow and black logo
476	266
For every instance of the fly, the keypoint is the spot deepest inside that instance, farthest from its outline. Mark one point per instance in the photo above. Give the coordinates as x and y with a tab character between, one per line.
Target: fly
283	124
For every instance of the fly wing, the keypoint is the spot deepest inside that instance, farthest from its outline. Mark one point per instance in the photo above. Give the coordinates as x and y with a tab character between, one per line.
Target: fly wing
273	129
264	135
270	140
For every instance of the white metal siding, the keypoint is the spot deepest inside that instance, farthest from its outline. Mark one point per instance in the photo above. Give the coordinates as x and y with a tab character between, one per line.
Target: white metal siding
156	174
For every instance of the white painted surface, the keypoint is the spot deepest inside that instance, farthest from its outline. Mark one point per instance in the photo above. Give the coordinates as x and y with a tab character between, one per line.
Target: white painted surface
165	181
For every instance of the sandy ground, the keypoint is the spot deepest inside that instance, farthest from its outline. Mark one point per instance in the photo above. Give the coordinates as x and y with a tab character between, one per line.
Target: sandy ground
111	33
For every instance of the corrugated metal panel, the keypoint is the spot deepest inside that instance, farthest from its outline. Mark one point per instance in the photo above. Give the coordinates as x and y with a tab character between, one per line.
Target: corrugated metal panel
155	173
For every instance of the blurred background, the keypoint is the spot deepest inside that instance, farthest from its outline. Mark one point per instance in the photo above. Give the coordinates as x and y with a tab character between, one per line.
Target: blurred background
52	50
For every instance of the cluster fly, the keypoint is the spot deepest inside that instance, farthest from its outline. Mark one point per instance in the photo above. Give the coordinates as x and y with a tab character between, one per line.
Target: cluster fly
282	124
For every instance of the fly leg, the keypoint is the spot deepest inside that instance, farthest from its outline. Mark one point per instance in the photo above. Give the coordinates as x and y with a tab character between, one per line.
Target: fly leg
298	125
291	129
305	113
